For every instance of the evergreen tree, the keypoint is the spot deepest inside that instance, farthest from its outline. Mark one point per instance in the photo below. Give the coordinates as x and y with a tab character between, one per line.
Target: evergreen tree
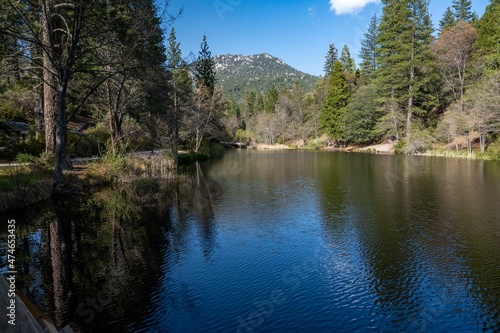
174	54
332	116
259	103
205	67
180	88
361	116
448	20
180	80
368	52
348	64
488	37
331	57
407	69
271	99
249	106
463	10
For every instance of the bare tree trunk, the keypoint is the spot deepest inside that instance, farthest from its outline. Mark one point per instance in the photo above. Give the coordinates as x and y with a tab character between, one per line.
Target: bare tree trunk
394	116
49	82
409	114
482	142
38	112
60	137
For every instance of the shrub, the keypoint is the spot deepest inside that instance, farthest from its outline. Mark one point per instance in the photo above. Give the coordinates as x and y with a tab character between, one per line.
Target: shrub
493	150
32	147
420	142
400	147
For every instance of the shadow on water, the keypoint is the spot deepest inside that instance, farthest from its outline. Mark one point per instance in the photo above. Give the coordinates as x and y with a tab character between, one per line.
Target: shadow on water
424	232
98	262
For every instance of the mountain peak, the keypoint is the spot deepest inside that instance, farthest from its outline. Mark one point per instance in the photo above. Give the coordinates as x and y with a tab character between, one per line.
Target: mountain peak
237	73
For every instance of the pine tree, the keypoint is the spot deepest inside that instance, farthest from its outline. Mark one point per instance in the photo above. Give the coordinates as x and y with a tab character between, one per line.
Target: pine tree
336	100
205	67
271	99
174	54
259	103
448	20
407	70
180	88
331	57
488	37
369	48
249	105
348	64
361	115
463	10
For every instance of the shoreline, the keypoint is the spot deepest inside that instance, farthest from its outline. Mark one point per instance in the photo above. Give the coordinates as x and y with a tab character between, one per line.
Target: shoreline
381	149
84	182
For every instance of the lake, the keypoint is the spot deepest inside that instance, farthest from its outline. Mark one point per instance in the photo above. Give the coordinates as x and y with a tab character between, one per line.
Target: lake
291	241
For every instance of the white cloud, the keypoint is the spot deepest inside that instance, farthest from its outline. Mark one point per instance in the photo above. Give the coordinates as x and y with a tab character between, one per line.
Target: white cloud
349	6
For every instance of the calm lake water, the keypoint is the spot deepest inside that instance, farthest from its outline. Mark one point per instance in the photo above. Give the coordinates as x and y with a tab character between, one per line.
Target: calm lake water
275	242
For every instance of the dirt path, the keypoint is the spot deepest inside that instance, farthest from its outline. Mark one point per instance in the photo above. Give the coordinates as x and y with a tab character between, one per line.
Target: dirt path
386	148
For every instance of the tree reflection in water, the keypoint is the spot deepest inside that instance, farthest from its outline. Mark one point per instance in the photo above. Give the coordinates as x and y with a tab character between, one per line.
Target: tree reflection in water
99	262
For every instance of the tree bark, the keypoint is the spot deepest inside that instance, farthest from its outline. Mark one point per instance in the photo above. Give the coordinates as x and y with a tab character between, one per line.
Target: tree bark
49	82
409	114
60	137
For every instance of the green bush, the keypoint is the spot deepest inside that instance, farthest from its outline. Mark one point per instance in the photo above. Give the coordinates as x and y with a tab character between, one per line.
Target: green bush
37	164
421	141
7	112
81	145
15	101
493	150
313	145
241	136
32	147
400	147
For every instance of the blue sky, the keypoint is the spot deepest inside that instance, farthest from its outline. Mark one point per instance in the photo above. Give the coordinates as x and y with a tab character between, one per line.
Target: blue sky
298	32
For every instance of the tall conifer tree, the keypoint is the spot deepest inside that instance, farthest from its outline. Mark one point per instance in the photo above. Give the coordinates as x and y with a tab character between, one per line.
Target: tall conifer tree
407	70
336	100
348	64
369	48
180	88
205	67
330	59
488	37
463	10
448	20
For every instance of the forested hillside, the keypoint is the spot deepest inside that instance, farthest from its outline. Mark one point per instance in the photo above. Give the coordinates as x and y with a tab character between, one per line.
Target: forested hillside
237	74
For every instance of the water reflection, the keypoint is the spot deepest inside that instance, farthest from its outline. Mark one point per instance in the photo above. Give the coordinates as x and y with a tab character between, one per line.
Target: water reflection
412	233
389	243
98	262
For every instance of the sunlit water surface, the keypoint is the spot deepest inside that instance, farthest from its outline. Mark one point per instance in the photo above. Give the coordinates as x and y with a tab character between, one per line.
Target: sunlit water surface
277	242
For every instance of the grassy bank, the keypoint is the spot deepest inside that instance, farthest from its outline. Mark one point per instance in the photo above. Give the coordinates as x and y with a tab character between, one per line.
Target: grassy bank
23	185
30	180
